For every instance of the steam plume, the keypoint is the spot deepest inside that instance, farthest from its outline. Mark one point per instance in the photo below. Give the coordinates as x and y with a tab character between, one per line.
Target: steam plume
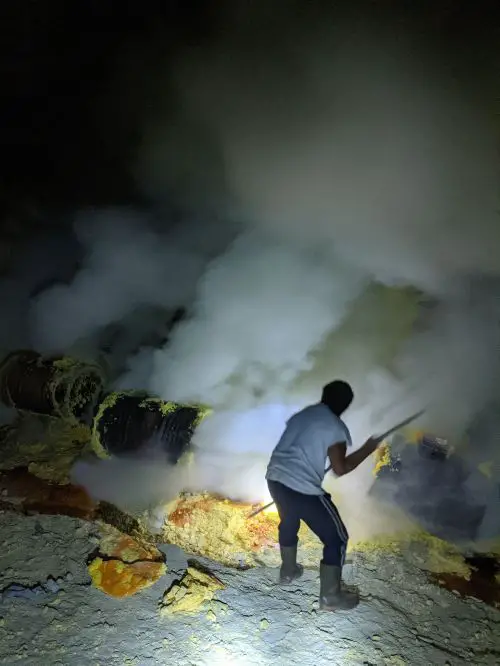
126	265
354	164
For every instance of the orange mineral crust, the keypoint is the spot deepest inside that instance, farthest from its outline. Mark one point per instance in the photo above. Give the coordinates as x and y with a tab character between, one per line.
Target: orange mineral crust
122	579
123	566
32	494
221	529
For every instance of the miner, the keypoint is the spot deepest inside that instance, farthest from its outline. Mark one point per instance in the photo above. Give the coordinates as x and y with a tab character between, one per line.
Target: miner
295	475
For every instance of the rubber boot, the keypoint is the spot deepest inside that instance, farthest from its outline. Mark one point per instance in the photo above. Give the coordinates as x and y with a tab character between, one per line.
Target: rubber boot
290	570
331	596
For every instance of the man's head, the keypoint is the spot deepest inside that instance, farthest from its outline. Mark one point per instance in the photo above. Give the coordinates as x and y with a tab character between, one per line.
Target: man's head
337	395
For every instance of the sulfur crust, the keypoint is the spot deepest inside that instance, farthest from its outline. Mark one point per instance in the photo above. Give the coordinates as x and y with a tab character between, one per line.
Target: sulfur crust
382	457
217	528
190	593
109	401
120	579
221	530
124	565
50	457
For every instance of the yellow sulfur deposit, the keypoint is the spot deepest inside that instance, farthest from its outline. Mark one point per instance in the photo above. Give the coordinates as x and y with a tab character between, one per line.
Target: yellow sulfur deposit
435	555
219	529
425	551
72	387
116	544
187	595
124	565
48	447
171	407
382	457
108	402
122	579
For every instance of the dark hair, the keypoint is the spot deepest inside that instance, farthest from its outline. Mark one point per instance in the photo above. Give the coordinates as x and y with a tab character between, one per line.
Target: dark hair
337	395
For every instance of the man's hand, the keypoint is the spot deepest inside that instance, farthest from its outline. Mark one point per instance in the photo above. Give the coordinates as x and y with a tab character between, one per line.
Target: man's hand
372	443
342	463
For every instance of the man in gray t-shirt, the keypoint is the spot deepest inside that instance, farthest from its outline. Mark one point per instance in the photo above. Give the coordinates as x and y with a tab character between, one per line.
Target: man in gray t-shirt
314	438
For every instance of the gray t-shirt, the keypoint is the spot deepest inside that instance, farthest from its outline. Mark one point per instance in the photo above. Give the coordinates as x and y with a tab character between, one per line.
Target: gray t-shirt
300	457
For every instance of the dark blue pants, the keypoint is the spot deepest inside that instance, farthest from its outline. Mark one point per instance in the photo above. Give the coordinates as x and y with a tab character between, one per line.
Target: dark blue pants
318	512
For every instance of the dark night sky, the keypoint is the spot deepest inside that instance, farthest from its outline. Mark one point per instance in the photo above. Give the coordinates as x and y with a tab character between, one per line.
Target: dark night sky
60	138
66	136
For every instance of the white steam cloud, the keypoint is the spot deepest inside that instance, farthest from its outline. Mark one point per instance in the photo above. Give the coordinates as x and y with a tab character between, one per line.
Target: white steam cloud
126	265
260	310
351	164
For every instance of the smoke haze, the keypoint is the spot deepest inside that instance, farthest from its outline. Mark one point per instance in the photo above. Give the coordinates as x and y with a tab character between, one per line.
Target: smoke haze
126	265
355	188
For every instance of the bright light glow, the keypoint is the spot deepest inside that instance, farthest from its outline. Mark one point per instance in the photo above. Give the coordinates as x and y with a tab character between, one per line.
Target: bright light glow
266	499
220	656
233	449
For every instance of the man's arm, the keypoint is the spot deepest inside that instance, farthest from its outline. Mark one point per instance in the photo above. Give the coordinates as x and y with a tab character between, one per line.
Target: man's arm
342	463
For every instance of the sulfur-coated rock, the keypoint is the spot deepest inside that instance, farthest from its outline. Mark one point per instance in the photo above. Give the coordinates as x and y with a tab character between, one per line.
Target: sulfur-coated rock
123	566
123	579
189	593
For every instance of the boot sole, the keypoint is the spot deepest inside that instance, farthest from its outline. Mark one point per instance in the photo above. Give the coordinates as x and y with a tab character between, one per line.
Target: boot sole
336	609
333	609
288	581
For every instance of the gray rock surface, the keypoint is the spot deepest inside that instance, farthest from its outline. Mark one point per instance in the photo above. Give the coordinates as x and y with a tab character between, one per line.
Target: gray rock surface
403	619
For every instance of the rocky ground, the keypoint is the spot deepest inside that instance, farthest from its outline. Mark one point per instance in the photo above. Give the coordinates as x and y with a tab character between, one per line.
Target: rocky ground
84	584
51	614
